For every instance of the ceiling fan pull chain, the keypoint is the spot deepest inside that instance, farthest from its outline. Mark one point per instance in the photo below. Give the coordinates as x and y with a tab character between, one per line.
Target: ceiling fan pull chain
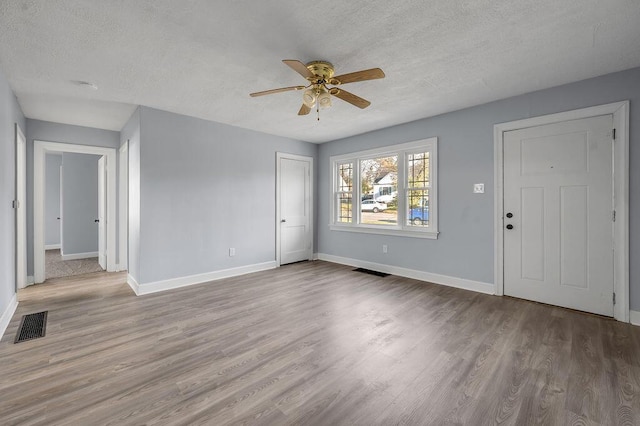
318	111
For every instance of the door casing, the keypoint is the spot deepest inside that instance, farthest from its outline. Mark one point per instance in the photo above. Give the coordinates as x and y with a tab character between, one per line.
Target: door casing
21	208
620	112
41	148
279	157
102	256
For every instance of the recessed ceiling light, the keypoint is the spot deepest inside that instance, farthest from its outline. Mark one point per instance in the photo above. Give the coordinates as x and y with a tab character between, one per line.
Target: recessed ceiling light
86	84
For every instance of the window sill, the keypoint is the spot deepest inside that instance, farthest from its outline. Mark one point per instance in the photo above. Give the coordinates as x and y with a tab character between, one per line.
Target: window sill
432	235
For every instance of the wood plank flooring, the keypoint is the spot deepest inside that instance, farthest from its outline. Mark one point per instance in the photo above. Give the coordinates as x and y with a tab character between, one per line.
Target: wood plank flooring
312	343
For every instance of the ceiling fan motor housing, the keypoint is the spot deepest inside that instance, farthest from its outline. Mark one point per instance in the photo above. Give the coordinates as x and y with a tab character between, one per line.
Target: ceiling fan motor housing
322	69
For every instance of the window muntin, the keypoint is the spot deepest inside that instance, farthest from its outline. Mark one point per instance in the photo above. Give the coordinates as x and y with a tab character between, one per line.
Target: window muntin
400	177
344	193
417	192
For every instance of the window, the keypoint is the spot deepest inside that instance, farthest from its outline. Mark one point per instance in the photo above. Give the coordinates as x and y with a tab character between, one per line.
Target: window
344	213
390	190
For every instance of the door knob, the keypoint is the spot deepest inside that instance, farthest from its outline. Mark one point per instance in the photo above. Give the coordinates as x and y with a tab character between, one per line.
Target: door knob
509	226
283	220
97	220
509	215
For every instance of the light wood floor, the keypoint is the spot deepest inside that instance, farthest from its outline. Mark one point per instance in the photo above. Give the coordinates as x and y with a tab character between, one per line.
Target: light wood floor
313	343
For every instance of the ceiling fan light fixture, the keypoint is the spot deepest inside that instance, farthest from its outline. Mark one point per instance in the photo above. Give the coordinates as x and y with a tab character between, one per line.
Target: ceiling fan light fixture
309	98
324	99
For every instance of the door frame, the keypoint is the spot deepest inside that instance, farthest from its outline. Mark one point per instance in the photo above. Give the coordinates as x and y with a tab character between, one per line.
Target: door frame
21	277
40	149
620	112
102	207
279	157
123	206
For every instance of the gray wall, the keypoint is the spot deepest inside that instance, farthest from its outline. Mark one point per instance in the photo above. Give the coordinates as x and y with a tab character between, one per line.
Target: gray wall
131	132
52	199
57	132
10	113
205	187
79	203
465	148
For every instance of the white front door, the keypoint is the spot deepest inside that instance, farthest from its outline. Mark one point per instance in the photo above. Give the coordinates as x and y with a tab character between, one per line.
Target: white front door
102	214
558	237
295	210
21	209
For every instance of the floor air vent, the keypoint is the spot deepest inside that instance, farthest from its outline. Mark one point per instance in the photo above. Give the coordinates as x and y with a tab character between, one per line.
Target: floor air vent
370	272
32	326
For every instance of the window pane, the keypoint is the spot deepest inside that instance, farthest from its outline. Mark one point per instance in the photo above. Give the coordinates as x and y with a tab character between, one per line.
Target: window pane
345	177
345	204
379	188
418	207
418	170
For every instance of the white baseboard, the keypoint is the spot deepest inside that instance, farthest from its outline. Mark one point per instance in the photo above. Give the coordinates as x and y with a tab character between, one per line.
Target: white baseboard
30	280
170	284
76	256
465	284
133	284
5	319
315	256
634	317
52	246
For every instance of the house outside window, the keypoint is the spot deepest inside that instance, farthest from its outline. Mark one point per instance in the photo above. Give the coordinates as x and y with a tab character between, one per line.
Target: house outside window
390	190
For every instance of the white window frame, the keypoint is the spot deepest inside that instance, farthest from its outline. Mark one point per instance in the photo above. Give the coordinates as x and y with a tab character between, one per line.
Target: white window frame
401	228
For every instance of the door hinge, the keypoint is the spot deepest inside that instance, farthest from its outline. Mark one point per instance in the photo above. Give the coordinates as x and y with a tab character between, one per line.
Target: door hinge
614	134
15	204
614	298
614	215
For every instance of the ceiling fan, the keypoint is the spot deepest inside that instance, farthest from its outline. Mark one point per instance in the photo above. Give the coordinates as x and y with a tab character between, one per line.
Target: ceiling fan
320	74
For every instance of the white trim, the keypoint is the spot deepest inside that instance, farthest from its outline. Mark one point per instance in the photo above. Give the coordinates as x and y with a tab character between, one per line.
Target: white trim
381	230
620	112
315	256
20	213
5	319
52	246
133	284
463	283
634	317
173	283
123	204
280	156
40	149
30	280
77	256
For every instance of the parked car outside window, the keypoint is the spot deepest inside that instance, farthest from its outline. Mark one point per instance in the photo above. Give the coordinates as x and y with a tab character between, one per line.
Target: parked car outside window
373	206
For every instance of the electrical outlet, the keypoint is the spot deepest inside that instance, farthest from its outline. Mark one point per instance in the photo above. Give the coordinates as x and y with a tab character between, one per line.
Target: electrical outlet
478	188
232	252
384	248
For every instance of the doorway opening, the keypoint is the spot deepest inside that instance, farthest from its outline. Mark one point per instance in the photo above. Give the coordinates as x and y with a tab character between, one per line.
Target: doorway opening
93	218
74	214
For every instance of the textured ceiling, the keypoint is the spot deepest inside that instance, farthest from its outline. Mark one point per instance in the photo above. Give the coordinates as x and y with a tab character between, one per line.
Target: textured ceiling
202	58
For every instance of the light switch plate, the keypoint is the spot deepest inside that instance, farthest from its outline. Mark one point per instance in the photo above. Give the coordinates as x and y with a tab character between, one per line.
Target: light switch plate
478	188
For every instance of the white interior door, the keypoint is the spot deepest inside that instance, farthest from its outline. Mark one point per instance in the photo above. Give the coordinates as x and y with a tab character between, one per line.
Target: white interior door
21	209
295	210
102	214
558	207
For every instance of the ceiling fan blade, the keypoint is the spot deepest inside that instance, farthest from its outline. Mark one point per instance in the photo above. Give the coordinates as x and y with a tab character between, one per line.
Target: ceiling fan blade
353	77
282	89
350	97
299	67
304	110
